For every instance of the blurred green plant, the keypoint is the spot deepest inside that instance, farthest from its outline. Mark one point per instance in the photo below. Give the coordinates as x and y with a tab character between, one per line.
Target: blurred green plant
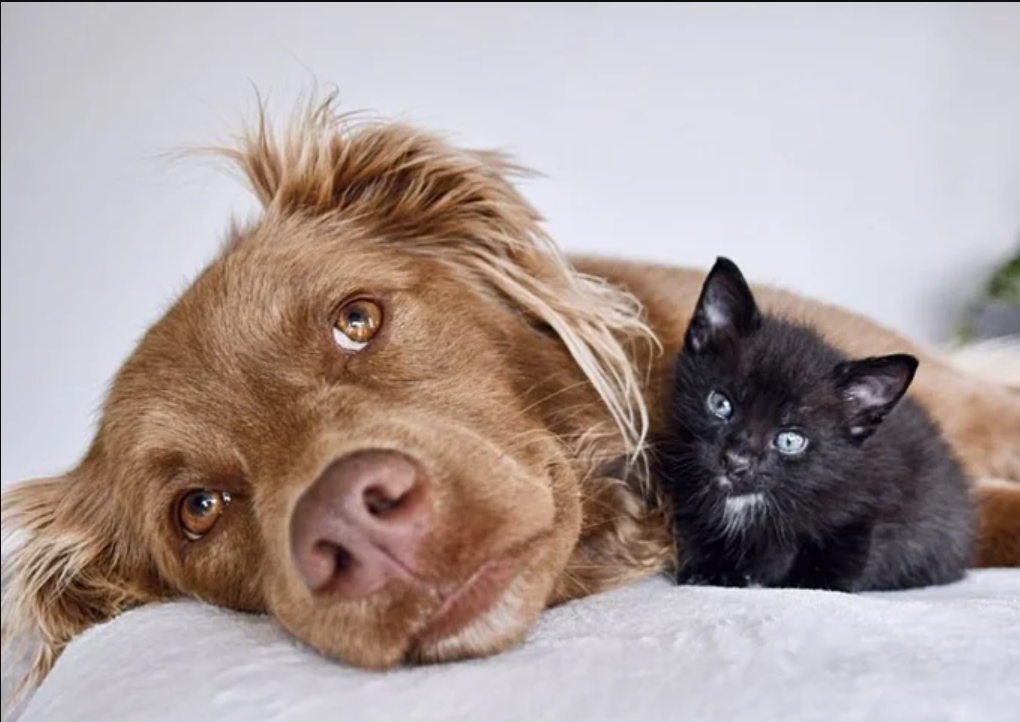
1001	291
1004	285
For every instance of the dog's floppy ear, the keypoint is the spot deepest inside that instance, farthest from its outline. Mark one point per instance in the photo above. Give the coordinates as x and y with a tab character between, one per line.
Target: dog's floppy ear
62	571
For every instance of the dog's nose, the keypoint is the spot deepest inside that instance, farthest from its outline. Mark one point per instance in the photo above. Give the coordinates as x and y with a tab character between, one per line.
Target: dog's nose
359	525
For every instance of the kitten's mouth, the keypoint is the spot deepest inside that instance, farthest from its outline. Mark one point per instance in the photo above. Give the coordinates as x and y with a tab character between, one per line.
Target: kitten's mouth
736	491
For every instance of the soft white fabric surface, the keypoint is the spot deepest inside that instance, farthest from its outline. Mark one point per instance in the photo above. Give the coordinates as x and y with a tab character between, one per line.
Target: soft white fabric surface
648	652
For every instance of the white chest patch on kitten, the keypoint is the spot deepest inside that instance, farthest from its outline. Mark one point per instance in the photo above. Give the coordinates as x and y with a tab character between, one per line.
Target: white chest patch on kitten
741	511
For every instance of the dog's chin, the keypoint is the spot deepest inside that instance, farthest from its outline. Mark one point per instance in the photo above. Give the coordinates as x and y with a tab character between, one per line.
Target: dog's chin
492	610
503	624
490	614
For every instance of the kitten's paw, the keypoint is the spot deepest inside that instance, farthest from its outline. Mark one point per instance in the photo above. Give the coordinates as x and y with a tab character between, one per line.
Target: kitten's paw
710	578
822	584
728	579
690	577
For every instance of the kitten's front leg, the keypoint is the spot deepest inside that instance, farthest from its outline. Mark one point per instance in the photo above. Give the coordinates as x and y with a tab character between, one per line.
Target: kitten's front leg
837	564
708	566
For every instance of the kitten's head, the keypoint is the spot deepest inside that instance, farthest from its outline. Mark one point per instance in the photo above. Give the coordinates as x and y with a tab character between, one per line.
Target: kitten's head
765	404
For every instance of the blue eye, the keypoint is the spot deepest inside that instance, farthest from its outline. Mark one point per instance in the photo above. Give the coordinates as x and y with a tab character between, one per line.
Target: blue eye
719	405
789	443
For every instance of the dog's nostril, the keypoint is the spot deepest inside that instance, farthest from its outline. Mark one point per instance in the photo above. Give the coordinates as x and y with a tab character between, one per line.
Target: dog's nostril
342	558
378	502
328	561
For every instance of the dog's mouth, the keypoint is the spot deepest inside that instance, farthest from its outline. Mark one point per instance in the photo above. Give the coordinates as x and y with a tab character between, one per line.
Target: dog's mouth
482	591
472	599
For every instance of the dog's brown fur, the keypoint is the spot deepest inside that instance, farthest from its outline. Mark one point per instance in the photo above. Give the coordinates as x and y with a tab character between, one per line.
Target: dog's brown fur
999	534
525	385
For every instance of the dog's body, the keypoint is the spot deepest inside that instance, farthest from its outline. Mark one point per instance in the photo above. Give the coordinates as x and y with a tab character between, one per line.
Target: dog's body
411	425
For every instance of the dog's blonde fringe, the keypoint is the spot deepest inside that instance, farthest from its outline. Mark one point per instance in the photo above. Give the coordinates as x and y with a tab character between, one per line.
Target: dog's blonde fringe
460	208
625	537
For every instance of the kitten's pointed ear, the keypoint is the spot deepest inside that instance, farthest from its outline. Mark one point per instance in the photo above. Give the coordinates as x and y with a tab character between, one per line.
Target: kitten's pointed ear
726	306
870	388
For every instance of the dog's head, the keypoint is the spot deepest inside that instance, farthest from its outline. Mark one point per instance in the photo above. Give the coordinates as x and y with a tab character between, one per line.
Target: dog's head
362	417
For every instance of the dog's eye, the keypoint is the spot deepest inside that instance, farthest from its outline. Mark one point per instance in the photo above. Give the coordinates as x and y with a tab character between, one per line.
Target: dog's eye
200	510
356	324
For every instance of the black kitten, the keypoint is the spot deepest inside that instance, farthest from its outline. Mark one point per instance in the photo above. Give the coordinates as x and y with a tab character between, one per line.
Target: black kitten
790	465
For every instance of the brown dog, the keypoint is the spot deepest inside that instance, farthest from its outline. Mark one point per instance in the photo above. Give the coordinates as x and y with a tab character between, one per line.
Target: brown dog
394	417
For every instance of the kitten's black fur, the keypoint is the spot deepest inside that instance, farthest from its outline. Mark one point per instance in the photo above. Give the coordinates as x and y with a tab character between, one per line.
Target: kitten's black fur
874	500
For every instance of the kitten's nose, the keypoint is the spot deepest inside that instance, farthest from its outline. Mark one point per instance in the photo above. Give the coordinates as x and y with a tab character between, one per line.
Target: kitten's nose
737	465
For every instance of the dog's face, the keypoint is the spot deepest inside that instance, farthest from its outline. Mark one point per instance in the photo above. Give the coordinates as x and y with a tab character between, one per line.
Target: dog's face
338	433
345	420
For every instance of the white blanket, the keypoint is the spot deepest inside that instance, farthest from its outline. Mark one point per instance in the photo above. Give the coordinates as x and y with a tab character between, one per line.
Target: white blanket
645	653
